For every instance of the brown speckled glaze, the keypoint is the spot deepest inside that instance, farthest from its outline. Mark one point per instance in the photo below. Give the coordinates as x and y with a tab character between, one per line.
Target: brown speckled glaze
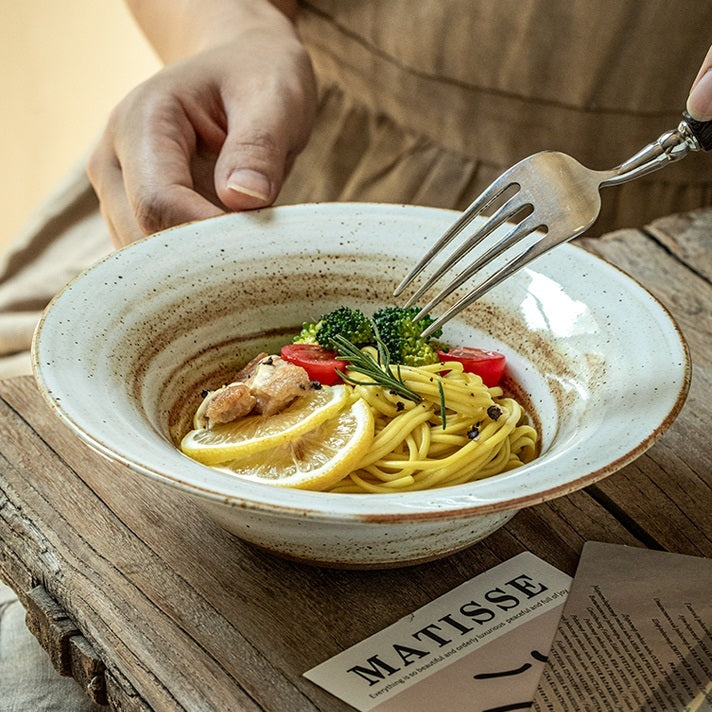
124	351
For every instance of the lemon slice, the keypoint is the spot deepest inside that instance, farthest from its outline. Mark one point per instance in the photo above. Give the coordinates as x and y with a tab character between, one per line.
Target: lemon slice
255	433
316	460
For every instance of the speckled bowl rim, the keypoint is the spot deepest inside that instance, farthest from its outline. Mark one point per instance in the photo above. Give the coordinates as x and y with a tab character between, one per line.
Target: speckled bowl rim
428	505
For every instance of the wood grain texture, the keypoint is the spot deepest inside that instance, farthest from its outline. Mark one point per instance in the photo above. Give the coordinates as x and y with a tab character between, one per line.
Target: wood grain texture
49	623
665	496
181	615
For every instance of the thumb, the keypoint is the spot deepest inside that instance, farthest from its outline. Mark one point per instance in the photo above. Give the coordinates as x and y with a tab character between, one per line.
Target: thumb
699	102
250	168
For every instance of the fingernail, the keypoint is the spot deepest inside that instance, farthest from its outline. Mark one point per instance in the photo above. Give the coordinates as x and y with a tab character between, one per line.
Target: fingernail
699	103
249	182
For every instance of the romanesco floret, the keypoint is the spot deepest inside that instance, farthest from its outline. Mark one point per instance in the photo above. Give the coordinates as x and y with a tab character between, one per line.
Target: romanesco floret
308	333
402	336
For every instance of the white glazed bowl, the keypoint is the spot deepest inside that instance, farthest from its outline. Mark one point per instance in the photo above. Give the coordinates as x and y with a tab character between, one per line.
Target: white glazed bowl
122	353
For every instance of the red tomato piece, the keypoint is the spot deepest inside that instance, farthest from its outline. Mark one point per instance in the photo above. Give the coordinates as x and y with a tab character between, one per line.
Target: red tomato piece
488	365
321	364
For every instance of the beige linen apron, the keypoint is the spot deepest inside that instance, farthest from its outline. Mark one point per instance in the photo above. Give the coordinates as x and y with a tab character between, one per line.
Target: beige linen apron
426	102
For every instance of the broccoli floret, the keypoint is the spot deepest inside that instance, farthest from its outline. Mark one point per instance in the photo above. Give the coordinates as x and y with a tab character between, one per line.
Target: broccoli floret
352	324
396	329
402	338
308	333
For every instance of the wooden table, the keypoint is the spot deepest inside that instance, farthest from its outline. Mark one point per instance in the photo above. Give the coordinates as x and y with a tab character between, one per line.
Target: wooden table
152	606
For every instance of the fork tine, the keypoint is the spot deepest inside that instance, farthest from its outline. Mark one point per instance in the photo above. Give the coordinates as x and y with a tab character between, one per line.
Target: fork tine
476	207
503	213
517	233
532	252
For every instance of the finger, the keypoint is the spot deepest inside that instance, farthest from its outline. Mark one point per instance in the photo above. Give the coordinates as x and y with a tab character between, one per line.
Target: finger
156	167
265	131
699	102
106	178
251	166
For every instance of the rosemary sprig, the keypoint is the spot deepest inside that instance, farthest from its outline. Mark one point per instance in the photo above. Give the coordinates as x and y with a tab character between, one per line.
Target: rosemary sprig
443	417
379	371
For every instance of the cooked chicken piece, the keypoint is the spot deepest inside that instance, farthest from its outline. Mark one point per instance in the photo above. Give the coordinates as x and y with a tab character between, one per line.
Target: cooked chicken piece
275	383
229	403
267	385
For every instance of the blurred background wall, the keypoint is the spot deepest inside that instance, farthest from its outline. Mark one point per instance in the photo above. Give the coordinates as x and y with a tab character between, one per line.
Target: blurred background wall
64	65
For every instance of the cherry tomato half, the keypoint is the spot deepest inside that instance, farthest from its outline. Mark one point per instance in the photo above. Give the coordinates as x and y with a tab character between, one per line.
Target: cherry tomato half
488	365
320	364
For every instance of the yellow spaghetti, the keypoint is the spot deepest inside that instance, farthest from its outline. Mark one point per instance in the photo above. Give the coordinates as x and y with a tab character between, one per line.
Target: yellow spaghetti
459	432
413	429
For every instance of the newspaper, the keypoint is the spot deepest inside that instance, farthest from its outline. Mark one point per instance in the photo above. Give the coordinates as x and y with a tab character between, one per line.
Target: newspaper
481	646
634	635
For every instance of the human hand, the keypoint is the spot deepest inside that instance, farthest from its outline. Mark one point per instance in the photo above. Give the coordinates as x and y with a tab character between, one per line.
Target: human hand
215	132
699	102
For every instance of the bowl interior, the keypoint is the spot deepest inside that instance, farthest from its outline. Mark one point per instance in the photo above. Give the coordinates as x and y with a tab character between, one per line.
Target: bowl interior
123	352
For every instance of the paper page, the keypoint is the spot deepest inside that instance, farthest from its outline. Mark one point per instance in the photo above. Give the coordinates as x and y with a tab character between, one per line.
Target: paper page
478	647
634	634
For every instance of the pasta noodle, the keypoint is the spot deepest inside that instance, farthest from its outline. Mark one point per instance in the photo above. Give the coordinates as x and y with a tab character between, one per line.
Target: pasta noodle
484	433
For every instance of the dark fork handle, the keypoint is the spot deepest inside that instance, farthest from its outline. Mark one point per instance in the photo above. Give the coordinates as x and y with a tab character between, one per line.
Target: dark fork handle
702	131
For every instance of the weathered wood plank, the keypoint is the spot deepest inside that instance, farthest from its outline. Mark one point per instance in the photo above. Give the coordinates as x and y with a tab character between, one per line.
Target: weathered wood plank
49	623
666	495
143	571
87	668
100	569
688	236
120	695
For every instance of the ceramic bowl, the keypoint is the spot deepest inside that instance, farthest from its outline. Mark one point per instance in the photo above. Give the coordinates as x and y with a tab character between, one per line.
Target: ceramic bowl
123	352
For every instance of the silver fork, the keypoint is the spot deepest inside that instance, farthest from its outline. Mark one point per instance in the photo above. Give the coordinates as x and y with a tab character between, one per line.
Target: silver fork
555	199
